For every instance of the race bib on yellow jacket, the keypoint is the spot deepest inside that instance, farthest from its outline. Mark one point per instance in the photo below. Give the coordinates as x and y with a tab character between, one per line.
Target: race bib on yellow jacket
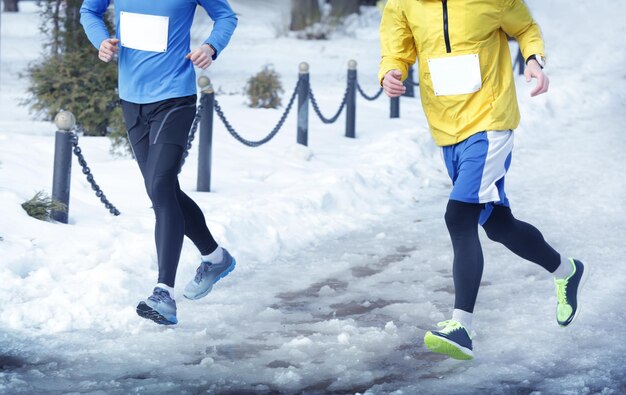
144	32
455	75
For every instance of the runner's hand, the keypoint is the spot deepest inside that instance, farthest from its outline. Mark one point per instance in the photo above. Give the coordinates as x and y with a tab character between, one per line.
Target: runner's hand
108	48
392	83
533	70
201	57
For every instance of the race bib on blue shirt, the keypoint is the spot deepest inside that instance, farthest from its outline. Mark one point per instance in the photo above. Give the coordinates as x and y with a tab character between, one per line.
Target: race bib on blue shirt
144	32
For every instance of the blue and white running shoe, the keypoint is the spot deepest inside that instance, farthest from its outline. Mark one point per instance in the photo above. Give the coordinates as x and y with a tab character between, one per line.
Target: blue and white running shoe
207	275
159	307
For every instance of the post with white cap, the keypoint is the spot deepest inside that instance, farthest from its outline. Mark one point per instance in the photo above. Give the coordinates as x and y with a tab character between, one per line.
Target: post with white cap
303	104
205	140
351	100
61	178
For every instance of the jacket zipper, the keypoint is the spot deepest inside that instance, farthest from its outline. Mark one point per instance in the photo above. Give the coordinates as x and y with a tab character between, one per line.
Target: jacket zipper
446	35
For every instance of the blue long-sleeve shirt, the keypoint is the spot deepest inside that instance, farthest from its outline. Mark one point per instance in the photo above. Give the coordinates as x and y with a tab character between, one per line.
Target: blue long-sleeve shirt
149	76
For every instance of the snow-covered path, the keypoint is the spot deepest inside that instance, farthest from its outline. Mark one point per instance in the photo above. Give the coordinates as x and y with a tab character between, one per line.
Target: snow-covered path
370	295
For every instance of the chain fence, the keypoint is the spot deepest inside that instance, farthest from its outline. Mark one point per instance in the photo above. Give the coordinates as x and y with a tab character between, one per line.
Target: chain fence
192	133
270	136
366	96
317	110
87	172
307	95
206	107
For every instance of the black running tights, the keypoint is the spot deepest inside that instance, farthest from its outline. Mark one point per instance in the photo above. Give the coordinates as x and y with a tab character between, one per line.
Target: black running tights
521	238
176	214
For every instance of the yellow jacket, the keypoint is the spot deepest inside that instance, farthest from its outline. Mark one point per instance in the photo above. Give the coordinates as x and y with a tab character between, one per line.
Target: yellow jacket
427	29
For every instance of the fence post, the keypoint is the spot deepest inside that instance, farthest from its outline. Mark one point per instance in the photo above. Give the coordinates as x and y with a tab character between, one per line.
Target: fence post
205	139
394	107
61	178
303	104
409	84
351	100
520	62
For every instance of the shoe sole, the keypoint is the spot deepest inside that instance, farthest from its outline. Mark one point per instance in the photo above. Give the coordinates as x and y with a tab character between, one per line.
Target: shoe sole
583	280
218	278
147	312
444	346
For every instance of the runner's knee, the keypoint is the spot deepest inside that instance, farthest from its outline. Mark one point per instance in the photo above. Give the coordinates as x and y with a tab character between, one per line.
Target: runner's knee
500	223
162	190
461	217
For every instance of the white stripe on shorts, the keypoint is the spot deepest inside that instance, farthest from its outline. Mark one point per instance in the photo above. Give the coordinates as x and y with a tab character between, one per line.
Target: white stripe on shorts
500	146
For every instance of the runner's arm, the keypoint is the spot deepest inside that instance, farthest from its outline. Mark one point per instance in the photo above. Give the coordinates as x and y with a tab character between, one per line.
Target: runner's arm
518	22
225	24
92	18
397	44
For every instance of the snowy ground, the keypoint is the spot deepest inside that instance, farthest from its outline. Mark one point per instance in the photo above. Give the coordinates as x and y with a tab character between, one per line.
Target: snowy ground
343	256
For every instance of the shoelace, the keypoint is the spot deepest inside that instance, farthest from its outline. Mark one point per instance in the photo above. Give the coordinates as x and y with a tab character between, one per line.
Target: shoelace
159	295
203	268
448	325
561	287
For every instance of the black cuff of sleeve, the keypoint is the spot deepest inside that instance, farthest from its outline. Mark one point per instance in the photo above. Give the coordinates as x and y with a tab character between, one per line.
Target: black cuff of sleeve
531	57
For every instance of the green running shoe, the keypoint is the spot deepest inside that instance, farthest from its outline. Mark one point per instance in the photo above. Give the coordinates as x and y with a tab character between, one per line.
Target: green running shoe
567	291
453	340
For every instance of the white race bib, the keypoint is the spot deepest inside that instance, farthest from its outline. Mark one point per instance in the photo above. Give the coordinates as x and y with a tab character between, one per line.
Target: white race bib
144	32
456	75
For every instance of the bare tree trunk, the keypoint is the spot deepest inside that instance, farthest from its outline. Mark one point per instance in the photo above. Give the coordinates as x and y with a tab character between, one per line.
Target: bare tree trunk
304	13
10	6
341	8
56	28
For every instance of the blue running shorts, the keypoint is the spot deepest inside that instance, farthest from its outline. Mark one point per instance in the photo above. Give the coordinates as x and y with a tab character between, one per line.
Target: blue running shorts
477	167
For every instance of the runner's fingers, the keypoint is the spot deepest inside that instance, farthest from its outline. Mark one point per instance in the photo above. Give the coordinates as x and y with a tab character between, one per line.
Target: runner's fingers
394	89
393	82
195	55
539	89
390	90
542	85
205	64
207	61
392	94
109	47
104	57
199	61
535	91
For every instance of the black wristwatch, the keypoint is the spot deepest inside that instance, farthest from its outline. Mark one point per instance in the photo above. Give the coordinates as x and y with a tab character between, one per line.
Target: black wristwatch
215	50
540	59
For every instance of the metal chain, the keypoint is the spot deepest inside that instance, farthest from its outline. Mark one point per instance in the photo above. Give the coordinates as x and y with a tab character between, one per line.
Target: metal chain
334	118
365	96
249	143
192	133
87	172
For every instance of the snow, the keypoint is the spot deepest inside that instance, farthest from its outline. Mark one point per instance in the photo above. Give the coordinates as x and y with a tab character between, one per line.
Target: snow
343	257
